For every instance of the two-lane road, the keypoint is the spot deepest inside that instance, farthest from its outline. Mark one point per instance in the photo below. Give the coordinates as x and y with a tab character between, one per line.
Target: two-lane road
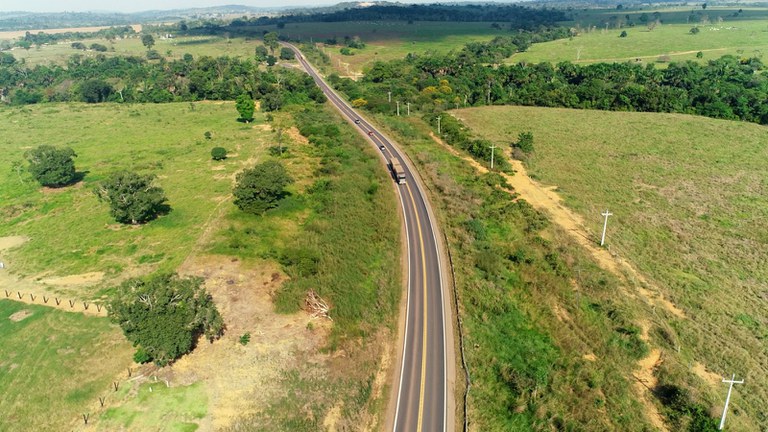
422	396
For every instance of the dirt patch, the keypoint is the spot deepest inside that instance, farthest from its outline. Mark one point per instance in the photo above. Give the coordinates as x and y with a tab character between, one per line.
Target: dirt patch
711	378
645	382
332	418
296	136
12	242
278	343
75	280
589	357
20	315
263	127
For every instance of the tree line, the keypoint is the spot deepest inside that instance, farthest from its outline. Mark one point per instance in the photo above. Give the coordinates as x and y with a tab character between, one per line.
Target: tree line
729	87
135	79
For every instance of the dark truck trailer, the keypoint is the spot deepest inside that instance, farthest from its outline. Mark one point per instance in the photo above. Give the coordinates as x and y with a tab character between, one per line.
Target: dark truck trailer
397	170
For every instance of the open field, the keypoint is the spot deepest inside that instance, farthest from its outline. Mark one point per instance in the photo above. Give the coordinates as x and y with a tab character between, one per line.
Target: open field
390	40
55	365
688	198
19	33
169	48
738	37
70	232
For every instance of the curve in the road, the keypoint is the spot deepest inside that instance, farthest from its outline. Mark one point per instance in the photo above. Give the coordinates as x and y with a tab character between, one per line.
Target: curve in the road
422	395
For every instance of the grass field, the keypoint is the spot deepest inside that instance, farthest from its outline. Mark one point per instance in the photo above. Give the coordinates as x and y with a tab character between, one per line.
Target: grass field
213	46
55	365
157	407
743	37
390	40
688	198
70	231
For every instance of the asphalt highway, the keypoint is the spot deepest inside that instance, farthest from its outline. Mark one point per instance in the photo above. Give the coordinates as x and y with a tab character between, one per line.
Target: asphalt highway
422	396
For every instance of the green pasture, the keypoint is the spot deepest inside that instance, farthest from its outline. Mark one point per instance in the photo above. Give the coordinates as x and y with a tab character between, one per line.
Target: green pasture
666	42
55	365
175	48
70	231
689	204
152	406
388	40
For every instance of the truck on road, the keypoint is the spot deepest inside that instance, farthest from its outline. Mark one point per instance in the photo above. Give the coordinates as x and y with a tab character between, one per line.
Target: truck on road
397	170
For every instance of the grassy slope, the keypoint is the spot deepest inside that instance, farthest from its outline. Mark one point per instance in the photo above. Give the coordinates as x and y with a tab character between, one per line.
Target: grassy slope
688	195
52	366
742	37
70	231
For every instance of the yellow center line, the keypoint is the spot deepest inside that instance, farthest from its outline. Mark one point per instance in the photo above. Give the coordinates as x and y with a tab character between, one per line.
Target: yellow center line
424	334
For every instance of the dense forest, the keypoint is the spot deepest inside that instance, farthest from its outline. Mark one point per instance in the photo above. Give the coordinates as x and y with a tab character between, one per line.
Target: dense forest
513	15
727	88
134	79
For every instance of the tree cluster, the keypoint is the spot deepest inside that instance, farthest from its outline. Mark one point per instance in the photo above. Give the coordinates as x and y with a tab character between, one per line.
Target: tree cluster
133	79
728	88
164	315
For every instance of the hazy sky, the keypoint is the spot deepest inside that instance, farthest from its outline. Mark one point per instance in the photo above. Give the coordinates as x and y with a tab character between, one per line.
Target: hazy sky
143	5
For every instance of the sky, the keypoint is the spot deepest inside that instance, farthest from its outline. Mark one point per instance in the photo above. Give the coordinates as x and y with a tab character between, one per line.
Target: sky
144	5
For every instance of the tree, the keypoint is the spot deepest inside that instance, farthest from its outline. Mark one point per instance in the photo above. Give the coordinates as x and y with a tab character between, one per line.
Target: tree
260	188
7	59
287	54
271	41
95	90
99	47
79	46
52	166
164	315
271	60
218	153
261	53
148	41
132	198
359	103
623	34
694	30
245	106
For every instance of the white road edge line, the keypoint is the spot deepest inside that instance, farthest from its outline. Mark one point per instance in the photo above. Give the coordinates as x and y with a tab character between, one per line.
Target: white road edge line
407	310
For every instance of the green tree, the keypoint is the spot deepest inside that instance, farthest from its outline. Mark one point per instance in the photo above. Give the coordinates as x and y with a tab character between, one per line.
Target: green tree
260	188
132	198
218	153
245	106
694	30
287	54
52	166
164	315
95	90
261	53
271	60
623	34
271	41
148	41
7	59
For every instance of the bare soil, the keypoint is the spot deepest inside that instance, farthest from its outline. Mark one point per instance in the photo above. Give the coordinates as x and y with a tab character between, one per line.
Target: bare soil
20	315
278	343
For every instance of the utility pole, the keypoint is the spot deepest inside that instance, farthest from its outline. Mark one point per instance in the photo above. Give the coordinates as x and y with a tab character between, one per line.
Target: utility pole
398	108
731	381
408	104
493	147
389	96
605	226
438	125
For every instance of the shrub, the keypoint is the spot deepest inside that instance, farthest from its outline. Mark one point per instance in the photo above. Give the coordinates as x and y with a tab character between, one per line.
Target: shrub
524	142
218	153
52	166
207	135
141	356
244	339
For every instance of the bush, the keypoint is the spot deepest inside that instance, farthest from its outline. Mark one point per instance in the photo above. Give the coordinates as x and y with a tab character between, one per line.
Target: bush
218	153
132	198
99	47
141	356
261	187
164	315
244	339
287	54
52	166
524	142
154	55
